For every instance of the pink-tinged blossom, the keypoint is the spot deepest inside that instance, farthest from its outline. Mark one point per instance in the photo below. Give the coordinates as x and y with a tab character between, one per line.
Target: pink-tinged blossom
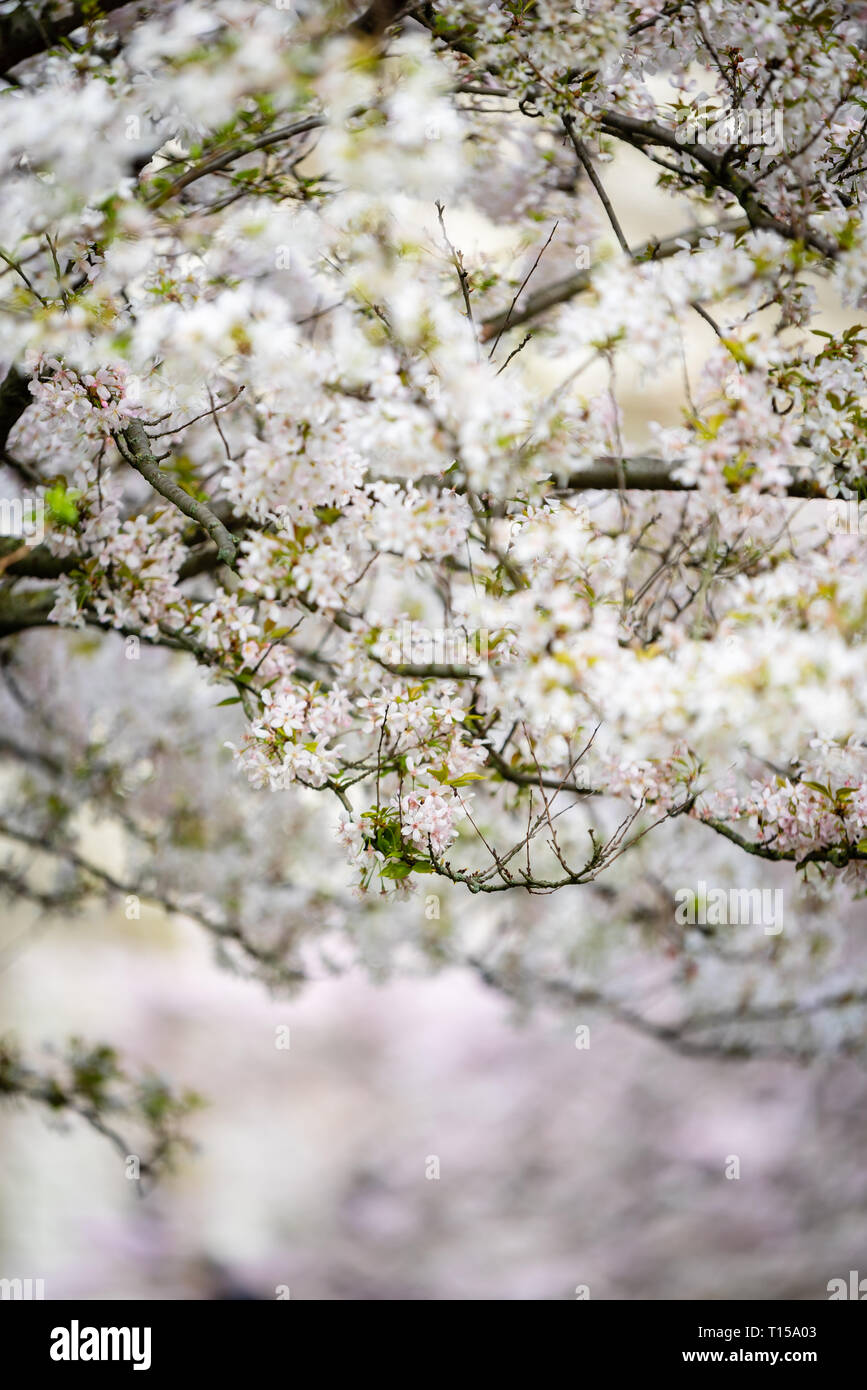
428	820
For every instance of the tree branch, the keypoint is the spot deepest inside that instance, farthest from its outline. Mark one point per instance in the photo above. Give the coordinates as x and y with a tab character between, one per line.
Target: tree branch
217	162
559	291
136	450
837	855
639	133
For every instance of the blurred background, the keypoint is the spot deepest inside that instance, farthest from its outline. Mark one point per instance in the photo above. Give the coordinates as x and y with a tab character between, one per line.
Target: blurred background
558	1166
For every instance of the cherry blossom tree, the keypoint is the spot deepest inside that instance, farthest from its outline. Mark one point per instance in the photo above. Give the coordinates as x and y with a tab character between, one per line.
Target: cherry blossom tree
336	578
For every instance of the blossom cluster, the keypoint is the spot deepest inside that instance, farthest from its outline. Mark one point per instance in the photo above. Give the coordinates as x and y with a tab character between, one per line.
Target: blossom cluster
334	282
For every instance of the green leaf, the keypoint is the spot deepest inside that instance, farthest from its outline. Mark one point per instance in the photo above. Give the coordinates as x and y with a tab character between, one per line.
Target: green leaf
396	868
817	787
61	504
738	351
